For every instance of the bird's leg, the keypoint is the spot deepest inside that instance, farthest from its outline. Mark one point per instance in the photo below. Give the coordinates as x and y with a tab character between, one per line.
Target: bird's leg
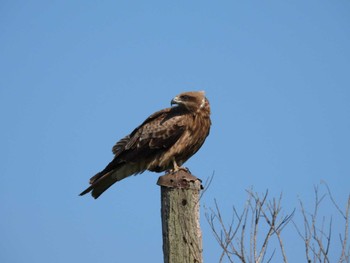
176	167
175	179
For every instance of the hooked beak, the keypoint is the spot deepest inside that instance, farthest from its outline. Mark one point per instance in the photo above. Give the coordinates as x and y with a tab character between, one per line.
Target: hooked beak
175	101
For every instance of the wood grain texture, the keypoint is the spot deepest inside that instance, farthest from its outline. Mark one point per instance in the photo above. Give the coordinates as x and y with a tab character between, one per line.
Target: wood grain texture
182	236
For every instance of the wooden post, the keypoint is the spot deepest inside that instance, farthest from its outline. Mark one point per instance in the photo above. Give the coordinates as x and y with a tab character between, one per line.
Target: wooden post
182	236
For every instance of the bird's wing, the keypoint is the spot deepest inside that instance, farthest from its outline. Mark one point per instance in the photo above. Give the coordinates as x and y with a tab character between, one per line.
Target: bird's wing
142	131
158	132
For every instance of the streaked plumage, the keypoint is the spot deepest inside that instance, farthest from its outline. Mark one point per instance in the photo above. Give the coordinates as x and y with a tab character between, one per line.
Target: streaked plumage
164	141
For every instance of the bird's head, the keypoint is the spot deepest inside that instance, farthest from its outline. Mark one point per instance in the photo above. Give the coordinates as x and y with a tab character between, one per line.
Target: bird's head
192	100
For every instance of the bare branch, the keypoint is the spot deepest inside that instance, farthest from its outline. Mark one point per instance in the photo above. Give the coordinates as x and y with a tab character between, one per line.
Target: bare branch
317	239
262	220
256	208
207	184
332	199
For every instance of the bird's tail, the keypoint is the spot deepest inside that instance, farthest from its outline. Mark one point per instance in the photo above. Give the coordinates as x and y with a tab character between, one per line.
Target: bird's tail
101	182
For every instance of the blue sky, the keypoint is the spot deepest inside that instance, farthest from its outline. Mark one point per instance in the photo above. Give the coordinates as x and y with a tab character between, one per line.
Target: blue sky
76	76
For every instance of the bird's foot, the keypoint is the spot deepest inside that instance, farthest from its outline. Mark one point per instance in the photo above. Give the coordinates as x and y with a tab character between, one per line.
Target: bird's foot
179	168
184	169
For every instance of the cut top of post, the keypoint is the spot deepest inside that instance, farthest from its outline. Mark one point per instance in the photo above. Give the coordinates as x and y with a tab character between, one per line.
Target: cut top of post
180	179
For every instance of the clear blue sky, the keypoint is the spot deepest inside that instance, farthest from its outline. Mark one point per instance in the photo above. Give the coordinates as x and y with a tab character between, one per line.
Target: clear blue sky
76	76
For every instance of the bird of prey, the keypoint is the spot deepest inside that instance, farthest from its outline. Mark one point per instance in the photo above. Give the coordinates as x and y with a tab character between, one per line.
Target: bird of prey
163	142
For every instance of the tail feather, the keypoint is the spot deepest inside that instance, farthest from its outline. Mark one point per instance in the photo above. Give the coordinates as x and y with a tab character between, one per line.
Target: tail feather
87	190
95	178
92	181
101	182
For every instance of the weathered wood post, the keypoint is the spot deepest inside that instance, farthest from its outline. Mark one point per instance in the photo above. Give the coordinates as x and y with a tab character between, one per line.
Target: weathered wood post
182	236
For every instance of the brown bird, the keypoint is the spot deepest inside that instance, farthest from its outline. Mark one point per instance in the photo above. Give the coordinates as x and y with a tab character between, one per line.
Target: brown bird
164	141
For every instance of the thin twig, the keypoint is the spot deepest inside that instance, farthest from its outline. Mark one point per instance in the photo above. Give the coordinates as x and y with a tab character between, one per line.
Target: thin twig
207	184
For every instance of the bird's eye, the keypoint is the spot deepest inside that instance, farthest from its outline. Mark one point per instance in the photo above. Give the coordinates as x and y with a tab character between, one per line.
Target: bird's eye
185	97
